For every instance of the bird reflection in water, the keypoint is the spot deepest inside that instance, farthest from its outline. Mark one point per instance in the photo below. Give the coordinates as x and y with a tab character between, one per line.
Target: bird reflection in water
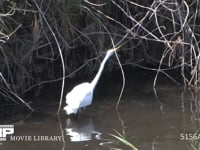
85	129
81	130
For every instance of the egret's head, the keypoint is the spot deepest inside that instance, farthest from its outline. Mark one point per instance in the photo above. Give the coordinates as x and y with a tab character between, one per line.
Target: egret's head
111	51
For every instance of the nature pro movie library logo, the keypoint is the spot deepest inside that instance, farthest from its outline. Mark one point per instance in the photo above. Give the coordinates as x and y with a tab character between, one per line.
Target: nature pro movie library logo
6	130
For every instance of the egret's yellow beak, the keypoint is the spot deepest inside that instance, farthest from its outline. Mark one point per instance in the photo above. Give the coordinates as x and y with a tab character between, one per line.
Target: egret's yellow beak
117	48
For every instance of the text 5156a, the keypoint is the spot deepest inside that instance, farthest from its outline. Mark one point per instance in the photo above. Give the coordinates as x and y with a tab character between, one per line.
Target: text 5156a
189	136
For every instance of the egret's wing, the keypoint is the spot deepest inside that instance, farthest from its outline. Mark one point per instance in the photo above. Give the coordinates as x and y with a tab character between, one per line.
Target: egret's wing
87	99
80	96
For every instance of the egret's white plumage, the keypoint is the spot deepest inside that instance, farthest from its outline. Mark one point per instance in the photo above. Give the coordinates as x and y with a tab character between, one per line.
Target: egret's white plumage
81	95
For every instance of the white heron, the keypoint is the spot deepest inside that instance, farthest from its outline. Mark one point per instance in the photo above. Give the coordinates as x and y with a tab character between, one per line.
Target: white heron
81	95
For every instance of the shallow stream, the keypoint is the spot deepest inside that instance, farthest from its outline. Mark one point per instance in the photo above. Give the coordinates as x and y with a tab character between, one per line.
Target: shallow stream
149	123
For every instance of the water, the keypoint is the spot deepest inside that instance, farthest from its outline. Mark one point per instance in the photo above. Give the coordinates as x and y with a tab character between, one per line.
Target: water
146	122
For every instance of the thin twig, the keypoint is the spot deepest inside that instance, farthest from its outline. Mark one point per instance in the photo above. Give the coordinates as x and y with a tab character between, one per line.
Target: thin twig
60	52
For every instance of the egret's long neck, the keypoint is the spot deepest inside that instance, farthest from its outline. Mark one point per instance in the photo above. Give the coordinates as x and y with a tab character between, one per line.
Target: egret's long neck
96	78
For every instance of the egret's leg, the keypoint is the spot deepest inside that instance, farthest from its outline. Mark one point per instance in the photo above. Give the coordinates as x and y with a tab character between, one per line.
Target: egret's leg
79	114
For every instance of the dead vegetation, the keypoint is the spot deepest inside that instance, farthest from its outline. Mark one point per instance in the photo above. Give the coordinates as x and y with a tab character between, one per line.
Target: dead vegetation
49	41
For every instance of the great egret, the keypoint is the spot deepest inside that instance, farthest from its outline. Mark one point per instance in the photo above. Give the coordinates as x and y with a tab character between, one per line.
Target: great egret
81	95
